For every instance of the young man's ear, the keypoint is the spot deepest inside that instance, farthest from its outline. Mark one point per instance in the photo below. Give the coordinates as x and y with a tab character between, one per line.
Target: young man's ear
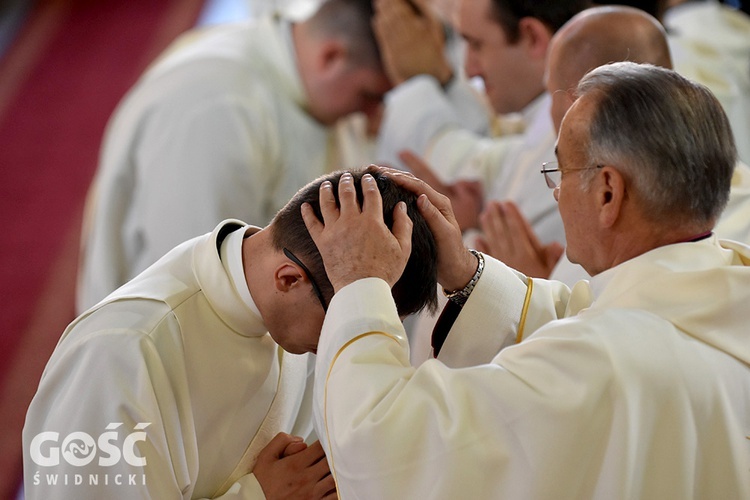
610	195
286	276
332	54
535	35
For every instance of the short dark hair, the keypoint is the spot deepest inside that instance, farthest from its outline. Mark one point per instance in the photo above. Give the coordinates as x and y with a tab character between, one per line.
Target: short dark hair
669	136
553	13
417	286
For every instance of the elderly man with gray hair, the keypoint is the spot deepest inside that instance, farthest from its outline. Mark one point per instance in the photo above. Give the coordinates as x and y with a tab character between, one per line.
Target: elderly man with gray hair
636	385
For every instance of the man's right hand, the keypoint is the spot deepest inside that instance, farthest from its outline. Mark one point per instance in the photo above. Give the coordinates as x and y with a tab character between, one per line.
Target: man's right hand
411	41
289	469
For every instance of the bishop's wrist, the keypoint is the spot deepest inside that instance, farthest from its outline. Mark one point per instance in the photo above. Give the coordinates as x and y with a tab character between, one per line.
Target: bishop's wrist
460	295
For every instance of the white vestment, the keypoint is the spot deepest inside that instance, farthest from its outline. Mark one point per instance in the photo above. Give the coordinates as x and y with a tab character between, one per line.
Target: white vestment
734	224
454	139
710	43
444	128
216	128
640	390
179	355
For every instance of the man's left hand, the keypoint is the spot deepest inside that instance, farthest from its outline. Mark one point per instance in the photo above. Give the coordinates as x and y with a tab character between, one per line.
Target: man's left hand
354	241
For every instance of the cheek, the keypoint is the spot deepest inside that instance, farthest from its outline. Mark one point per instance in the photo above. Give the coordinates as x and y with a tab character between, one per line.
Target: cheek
499	68
566	208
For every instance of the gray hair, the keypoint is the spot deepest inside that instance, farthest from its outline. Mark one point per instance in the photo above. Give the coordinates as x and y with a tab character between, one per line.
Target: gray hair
668	135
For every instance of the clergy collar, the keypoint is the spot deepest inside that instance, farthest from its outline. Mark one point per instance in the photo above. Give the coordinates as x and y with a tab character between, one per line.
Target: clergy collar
217	283
230	253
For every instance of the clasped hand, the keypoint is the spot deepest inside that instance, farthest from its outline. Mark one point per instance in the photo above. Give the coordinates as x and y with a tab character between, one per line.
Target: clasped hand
354	241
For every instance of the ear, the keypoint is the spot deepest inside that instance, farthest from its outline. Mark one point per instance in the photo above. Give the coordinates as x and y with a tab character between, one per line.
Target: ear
535	35
332	54
611	194
287	276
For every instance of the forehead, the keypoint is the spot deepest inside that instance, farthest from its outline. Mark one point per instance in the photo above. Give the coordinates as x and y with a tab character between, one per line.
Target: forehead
573	137
476	17
369	79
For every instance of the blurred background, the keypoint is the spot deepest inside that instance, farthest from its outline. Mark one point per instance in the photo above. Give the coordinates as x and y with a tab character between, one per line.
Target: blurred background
64	65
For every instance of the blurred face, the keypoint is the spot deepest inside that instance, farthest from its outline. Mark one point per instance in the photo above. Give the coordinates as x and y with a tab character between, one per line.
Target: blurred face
343	89
576	204
489	55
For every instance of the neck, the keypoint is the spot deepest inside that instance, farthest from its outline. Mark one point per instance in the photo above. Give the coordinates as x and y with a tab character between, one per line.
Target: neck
255	255
626	245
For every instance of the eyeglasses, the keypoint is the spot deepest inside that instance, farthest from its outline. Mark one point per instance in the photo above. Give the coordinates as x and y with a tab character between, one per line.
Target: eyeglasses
553	174
315	286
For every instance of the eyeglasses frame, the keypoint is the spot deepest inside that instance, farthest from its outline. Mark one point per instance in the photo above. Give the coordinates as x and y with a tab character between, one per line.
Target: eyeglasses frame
313	283
546	171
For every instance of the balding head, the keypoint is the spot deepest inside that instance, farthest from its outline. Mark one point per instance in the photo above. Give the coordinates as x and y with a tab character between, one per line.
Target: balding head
599	36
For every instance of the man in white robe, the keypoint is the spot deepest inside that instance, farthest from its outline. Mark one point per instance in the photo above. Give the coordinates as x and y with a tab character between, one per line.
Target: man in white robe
594	37
434	113
188	380
230	122
637	386
431	113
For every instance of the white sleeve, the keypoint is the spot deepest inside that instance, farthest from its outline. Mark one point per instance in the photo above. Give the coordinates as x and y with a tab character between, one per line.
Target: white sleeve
499	305
394	431
419	110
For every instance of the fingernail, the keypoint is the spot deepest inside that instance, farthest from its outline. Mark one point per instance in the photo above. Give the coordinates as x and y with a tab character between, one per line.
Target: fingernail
402	206
367	178
326	185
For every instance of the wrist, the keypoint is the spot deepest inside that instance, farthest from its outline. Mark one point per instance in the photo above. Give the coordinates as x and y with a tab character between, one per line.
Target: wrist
461	295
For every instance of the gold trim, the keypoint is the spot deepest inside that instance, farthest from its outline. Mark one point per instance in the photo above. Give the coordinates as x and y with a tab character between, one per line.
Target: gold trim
325	396
524	311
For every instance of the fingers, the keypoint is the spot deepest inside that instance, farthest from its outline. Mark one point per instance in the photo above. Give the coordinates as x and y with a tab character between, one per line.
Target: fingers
467	200
472	188
435	219
313	225
327	200
275	448
421	169
518	224
312	454
328	209
347	195
499	238
294	447
326	488
402	227
372	201
420	187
